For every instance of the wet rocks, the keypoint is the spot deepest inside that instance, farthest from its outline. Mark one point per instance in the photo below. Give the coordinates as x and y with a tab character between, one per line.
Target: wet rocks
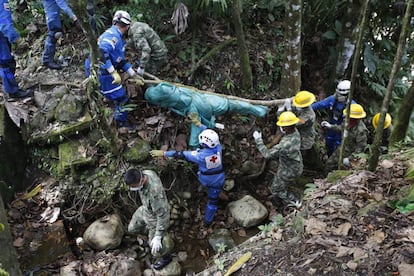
105	233
248	211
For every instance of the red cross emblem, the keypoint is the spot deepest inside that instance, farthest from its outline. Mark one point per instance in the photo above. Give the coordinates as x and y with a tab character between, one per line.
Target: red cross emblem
213	159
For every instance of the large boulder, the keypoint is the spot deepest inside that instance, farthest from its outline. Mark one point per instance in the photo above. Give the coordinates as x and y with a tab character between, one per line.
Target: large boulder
248	211
105	233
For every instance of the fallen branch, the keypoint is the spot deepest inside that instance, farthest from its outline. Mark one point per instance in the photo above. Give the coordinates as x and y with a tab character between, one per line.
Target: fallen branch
209	54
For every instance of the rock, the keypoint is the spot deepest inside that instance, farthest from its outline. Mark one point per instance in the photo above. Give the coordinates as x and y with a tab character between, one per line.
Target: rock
221	237
125	267
68	109
137	151
228	185
248	211
105	233
72	269
182	256
249	167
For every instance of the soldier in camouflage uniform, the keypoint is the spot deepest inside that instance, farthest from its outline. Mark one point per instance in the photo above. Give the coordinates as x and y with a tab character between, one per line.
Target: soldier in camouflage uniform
302	108
289	157
357	137
154	213
153	50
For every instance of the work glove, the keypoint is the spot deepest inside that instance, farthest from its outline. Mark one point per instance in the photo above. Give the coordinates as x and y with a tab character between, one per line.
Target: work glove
117	77
325	124
194	118
140	71
286	106
346	162
139	80
155	244
157	153
257	135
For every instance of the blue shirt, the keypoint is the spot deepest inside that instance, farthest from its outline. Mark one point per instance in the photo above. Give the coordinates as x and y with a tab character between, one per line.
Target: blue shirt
112	47
334	107
209	161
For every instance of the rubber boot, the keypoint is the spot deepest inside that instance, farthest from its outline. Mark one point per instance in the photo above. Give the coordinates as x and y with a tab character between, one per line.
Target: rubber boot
162	262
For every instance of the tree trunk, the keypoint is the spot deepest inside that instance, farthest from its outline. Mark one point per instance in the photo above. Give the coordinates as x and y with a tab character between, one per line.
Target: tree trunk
403	118
291	69
359	31
8	254
346	43
92	90
246	70
375	149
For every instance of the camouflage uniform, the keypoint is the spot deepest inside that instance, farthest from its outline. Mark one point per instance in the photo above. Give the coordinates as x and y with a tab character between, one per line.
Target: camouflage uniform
153	50
310	154
154	213
355	143
290	163
305	127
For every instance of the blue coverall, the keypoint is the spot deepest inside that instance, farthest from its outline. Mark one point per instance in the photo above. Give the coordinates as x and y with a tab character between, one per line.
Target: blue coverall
54	26
112	48
8	35
210	173
335	110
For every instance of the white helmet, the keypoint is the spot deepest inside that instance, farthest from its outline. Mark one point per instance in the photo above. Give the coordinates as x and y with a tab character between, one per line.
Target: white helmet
343	87
208	137
121	17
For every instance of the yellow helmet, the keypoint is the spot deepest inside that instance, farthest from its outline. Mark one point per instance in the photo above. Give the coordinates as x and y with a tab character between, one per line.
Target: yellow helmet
387	121
357	111
287	118
303	99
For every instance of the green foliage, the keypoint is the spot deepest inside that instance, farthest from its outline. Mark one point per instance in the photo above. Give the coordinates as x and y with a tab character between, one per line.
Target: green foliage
221	248
204	4
127	107
3	272
309	187
229	84
219	263
298	224
335	33
278	220
273	7
266	228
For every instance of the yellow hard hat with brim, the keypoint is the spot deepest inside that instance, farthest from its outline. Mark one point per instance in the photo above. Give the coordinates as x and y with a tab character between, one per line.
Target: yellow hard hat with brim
303	99
357	112
287	118
387	121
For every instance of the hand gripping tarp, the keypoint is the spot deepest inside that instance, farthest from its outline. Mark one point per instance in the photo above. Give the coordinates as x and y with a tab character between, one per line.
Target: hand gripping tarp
184	101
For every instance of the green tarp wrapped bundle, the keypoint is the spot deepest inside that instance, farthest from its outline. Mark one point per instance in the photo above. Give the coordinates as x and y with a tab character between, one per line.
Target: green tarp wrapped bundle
184	101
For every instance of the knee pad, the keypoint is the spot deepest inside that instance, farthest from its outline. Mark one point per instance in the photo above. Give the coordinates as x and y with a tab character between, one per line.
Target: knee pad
55	35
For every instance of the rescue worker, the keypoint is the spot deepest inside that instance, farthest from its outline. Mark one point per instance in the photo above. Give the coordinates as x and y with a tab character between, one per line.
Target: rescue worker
112	48
153	216
357	137
9	35
386	132
209	161
302	108
287	154
335	104
55	32
153	50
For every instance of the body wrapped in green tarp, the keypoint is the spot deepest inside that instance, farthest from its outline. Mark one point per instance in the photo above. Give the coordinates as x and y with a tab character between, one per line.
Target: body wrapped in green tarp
184	101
